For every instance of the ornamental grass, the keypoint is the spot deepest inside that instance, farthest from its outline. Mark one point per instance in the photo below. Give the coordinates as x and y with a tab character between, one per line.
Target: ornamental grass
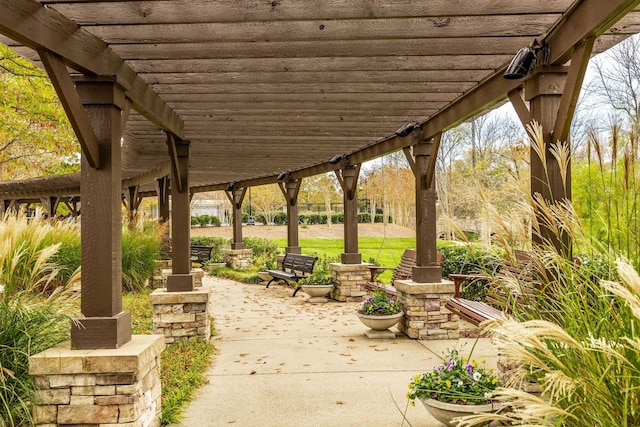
578	336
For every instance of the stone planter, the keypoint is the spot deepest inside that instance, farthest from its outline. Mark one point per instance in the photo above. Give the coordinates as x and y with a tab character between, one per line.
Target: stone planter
379	325
317	293
447	412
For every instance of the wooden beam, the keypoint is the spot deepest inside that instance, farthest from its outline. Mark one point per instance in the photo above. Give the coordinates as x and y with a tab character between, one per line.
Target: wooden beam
433	156
572	86
175	164
72	105
516	97
31	24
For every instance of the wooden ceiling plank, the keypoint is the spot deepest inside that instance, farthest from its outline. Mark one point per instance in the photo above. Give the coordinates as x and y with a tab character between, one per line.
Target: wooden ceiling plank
315	30
315	77
257	88
320	64
311	49
145	12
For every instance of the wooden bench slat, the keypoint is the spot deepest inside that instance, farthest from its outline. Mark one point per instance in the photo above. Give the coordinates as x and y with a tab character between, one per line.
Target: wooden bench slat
476	312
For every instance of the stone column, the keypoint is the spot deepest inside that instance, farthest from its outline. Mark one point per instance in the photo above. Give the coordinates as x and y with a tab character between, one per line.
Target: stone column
99	387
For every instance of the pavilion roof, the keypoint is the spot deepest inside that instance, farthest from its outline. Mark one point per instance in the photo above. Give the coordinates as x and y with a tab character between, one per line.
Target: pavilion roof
262	87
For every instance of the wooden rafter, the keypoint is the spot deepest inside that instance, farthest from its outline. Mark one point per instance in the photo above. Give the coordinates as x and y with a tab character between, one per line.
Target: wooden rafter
72	105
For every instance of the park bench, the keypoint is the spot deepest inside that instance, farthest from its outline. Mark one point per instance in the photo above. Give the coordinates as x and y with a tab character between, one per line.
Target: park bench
402	271
475	312
200	253
293	268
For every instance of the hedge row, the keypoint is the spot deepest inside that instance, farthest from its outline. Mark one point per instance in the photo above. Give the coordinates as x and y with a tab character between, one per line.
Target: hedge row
280	218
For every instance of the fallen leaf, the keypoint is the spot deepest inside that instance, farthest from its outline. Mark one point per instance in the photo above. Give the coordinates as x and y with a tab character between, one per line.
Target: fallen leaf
253	373
381	349
340	402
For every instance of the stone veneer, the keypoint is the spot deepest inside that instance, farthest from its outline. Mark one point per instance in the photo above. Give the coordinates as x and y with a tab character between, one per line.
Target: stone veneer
158	279
425	314
238	258
181	315
99	388
349	281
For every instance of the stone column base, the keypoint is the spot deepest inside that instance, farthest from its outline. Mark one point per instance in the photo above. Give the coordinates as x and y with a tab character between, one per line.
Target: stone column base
425	315
349	281
158	278
238	258
181	315
99	387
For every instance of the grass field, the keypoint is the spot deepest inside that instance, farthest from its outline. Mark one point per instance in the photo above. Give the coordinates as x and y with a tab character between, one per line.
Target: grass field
380	250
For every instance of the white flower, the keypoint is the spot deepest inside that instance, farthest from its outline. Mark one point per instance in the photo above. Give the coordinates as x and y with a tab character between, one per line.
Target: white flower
477	376
460	383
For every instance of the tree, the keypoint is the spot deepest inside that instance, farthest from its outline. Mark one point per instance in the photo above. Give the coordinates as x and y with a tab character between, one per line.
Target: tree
267	200
321	189
36	138
617	79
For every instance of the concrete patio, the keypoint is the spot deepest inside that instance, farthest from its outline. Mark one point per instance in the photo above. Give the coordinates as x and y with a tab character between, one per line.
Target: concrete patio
284	362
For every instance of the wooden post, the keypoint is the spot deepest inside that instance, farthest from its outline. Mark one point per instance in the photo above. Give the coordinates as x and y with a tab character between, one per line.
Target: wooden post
105	324
50	204
422	162
132	202
348	178
544	93
290	189
162	190
180	279
236	196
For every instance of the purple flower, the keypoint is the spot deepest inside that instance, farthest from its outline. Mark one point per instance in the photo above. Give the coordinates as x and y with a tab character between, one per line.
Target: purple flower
469	368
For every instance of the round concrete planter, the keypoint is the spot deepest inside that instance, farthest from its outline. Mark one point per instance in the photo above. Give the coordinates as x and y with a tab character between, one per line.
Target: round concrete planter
379	325
447	412
317	293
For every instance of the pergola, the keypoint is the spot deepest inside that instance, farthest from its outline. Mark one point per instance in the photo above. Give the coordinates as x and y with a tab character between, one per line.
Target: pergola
183	96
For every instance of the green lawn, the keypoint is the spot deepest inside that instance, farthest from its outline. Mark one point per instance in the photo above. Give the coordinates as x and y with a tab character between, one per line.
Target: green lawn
382	251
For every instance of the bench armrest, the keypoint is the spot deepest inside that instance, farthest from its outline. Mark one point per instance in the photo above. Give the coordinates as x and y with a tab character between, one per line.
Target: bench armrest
458	279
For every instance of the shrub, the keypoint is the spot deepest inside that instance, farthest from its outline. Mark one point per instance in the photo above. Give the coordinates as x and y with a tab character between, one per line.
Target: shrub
29	324
262	248
140	250
218	244
470	259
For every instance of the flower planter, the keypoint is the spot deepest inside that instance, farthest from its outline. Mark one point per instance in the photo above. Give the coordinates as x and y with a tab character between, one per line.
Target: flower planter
447	412
379	324
317	293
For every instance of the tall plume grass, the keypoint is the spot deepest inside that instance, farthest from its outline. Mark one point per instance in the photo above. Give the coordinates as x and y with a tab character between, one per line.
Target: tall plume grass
577	336
35	308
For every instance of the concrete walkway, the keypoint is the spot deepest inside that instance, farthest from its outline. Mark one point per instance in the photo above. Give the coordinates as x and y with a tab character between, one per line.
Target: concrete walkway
284	362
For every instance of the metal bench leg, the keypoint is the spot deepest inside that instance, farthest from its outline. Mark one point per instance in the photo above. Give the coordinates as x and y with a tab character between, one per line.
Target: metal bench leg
270	282
296	291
